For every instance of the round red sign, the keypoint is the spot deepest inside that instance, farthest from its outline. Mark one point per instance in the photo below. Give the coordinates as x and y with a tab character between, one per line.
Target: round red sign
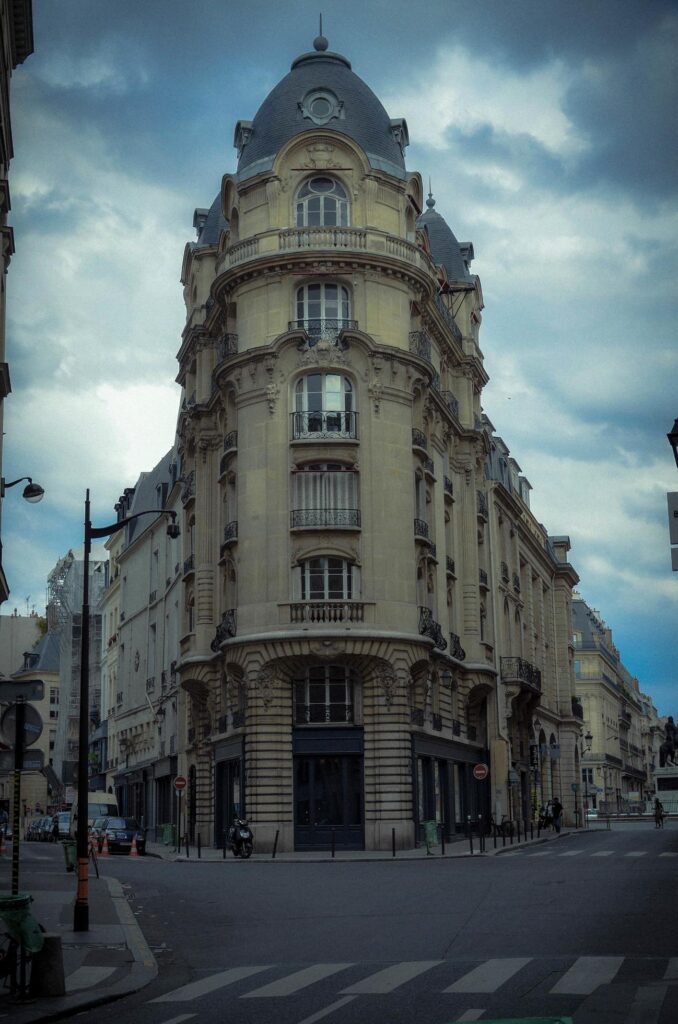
480	771
180	783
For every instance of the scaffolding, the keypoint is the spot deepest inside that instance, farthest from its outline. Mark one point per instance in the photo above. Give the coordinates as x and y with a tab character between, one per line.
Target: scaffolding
64	617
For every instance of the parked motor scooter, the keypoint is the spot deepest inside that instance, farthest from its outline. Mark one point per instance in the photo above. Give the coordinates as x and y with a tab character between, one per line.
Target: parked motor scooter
240	838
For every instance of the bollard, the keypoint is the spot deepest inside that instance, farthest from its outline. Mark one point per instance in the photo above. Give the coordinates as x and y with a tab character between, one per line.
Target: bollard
188	853
494	832
470	833
503	838
333	842
47	968
481	836
442	839
275	843
531	829
393	840
223	852
199	847
511	833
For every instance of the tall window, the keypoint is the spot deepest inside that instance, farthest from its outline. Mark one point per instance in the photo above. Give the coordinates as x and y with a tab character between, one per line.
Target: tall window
322	202
324	694
322	310
324	406
326	579
325	494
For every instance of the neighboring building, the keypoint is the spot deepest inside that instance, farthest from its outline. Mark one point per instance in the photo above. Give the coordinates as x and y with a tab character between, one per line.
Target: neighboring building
41	789
615	765
16	43
369	608
652	737
18	633
140	611
64	616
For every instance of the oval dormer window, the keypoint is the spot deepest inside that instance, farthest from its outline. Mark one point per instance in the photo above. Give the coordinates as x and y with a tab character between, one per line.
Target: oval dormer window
320	106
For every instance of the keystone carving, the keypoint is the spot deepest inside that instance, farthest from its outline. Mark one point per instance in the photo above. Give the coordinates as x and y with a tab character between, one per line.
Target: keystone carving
387	681
265	682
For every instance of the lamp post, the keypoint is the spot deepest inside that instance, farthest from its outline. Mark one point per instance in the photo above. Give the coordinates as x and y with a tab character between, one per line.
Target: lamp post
588	740
673	440
81	908
32	492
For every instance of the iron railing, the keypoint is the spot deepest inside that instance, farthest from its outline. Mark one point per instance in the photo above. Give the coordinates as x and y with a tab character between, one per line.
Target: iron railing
577	709
481	504
231	441
231	532
518	668
227	346
323	517
430	628
504	572
188	491
449	564
456	650
325	329
324	423
448	486
482	577
419	439
516	582
225	628
437	722
451	402
189	564
417	716
421	528
420	345
447	317
238	719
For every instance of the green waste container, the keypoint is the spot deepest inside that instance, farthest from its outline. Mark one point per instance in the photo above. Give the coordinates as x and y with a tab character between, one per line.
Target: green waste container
169	835
70	854
20	924
430	832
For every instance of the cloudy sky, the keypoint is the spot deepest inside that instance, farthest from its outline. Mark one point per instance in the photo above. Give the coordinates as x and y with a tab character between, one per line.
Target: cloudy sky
548	130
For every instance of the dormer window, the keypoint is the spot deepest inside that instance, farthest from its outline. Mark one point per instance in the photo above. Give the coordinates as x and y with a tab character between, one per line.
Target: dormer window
322	202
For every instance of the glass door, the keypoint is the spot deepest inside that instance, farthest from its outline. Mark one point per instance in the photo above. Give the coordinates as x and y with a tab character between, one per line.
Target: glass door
328	802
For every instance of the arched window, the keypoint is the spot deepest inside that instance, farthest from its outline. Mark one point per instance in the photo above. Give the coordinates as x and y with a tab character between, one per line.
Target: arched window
325	494
322	202
323	310
324	406
326	579
325	693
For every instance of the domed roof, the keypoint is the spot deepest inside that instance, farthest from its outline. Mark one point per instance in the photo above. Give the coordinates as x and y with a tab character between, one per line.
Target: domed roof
209	227
445	248
321	90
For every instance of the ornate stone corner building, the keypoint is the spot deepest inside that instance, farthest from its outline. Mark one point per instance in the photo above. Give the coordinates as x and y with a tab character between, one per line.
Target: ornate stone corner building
339	650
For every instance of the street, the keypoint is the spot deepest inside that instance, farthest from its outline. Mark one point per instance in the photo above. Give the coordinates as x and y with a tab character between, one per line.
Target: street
583	926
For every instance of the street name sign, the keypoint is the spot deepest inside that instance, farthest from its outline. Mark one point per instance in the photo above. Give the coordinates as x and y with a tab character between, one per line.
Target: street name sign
480	771
14	689
34	760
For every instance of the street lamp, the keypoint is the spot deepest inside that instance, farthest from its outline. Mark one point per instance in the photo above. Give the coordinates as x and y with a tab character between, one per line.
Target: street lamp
673	440
32	492
81	908
588	740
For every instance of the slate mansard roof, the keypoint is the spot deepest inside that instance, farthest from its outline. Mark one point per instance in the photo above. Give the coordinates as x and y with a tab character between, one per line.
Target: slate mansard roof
446	250
356	113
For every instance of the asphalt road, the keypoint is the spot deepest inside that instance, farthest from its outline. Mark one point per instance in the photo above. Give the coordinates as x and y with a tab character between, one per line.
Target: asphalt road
585	926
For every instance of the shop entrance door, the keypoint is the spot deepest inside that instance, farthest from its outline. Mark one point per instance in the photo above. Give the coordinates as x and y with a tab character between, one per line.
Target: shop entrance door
229	802
328	800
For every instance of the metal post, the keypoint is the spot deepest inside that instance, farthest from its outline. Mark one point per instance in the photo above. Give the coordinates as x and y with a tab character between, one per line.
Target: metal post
470	832
442	838
275	843
531	829
393	841
223	855
19	723
481	837
199	847
188	852
333	841
81	908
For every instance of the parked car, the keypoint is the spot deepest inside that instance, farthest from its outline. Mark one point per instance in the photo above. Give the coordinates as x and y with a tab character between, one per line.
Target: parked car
592	813
119	832
63	823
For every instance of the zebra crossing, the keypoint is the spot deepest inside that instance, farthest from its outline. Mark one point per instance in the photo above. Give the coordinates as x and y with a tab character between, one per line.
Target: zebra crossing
620	854
557	976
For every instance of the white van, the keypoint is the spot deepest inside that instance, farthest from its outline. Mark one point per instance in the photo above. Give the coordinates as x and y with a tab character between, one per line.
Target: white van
99	805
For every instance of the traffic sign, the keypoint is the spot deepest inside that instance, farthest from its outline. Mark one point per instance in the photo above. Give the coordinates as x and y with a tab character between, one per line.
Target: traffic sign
180	783
32	730
574	786
480	771
34	760
15	689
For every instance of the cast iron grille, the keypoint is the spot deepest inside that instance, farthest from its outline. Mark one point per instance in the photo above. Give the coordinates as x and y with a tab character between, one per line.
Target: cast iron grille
420	345
456	727
430	628
227	346
324	423
429	467
222	723
451	402
189	487
447	317
323	330
421	528
189	564
449	489
482	504
238	719
419	439
231	441
225	629
437	722
449	563
516	582
456	650
518	668
313	517
504	572
231	532
482	577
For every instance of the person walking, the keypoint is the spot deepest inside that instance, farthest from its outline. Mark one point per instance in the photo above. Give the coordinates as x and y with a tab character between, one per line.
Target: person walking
658	813
557	814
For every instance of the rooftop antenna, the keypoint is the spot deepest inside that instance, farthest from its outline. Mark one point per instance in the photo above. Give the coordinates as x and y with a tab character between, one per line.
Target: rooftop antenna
320	43
430	202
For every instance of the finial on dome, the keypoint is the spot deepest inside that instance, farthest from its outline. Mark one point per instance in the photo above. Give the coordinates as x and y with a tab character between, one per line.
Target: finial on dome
430	202
320	43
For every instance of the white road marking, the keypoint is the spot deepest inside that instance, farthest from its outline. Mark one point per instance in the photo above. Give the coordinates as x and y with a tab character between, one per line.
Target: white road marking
390	978
571	853
647	1005
295	982
671	973
636	853
586	974
603	853
489	976
673	854
85	977
542	853
180	1018
206	985
328	1009
470	1014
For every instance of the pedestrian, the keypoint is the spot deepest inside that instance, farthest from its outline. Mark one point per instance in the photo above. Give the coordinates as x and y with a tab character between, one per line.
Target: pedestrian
548	816
658	813
557	814
4	821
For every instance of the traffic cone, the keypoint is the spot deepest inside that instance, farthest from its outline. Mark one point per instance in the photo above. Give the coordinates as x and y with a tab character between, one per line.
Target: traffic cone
104	849
134	852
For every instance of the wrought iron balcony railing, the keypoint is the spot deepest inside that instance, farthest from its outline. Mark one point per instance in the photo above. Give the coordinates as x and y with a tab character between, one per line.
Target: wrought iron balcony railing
326	329
222	723
430	628
419	439
625	718
482	577
421	529
226	628
456	650
519	669
451	402
429	467
448	486
420	345
504	572
481	504
456	727
447	317
516	582
307	714
150	684
231	532
472	733
238	719
577	709
437	722
324	424
227	346
189	564
309	518
188	491
327	611
231	441
449	565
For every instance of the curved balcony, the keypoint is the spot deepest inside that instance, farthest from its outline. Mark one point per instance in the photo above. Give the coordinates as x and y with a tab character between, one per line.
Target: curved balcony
323	424
325	329
327	612
420	345
517	670
316	518
430	628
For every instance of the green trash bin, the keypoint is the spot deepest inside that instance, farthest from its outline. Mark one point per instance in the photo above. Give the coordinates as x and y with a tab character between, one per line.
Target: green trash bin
168	835
20	924
430	833
70	854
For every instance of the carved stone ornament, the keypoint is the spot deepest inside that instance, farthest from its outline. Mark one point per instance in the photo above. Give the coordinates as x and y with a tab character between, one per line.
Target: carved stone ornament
272	394
265	681
387	681
322	354
137	659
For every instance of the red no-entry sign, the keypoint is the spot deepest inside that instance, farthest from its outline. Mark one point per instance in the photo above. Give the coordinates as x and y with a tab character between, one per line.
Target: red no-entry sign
480	771
180	783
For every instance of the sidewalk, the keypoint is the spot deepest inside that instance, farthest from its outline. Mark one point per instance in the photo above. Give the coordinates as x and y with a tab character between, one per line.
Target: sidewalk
457	849
110	960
